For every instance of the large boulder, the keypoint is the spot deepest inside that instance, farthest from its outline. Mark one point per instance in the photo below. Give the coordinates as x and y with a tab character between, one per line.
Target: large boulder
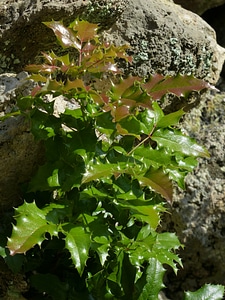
23	36
199	6
168	39
198	214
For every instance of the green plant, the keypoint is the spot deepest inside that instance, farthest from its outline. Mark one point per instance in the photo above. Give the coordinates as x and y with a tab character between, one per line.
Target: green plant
112	155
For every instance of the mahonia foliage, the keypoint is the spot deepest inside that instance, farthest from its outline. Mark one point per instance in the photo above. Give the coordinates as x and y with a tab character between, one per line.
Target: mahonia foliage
112	155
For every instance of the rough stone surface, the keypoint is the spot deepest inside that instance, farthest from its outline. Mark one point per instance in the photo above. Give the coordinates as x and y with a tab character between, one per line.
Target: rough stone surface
168	39
20	156
199	6
198	214
12	86
23	36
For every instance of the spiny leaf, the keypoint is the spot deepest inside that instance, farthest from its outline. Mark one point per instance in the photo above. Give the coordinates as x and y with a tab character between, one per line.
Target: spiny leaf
181	85
30	228
164	247
207	292
97	171
74	84
170	119
153	280
66	36
44	68
159	182
143	210
175	141
84	30
78	243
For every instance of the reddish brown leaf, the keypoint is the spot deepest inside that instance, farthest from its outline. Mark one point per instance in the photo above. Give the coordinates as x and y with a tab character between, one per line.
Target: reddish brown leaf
159	182
65	36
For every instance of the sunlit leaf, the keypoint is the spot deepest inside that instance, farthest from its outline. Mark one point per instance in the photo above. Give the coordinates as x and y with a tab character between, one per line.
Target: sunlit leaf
152	281
177	142
84	30
159	182
65	36
78	243
148	211
181	85
30	229
207	292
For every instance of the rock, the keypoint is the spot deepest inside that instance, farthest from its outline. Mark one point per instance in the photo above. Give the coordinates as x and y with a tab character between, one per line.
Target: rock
168	39
23	36
199	6
20	156
198	214
12	86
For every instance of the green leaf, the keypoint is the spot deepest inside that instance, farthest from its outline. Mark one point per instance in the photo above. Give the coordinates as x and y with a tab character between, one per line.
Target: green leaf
170	119
175	141
153	283
207	292
133	126
30	228
78	243
84	30
144	210
164	247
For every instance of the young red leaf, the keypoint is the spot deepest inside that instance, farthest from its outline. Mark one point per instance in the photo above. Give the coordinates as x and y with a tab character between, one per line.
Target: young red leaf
66	36
159	182
181	85
45	69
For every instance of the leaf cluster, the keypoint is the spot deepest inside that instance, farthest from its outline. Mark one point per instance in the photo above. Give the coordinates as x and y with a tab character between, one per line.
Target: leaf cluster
111	156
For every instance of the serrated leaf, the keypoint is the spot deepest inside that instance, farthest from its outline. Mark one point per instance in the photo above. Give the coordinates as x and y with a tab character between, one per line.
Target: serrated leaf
170	119
163	249
30	228
153	280
84	30
180	85
159	182
207	292
66	36
97	171
74	84
175	141
143	210
44	68
78	243
152	157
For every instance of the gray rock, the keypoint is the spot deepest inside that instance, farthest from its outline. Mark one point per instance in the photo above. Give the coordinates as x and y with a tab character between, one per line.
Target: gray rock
198	214
20	156
167	39
11	86
199	6
23	36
